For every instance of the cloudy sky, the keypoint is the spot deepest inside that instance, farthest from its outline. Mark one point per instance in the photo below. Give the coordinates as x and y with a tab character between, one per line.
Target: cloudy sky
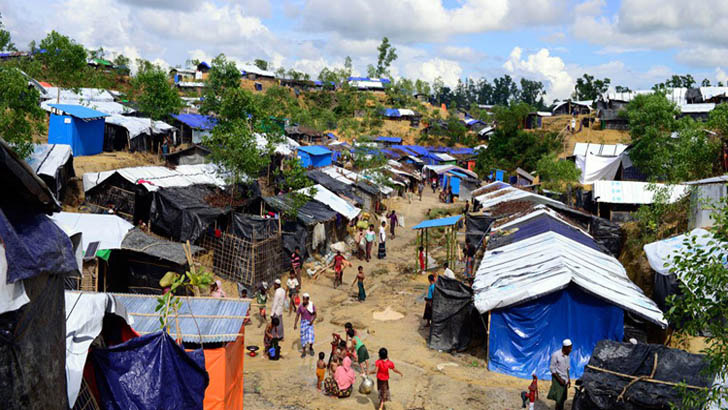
634	42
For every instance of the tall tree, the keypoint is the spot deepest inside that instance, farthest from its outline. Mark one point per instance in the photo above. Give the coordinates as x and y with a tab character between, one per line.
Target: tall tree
589	88
64	60
155	96
5	42
532	93
223	75
20	115
505	90
387	54
705	83
622	89
260	63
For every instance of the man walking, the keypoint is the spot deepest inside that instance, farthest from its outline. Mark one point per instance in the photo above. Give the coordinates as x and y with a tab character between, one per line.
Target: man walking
420	188
560	380
307	312
276	310
393	220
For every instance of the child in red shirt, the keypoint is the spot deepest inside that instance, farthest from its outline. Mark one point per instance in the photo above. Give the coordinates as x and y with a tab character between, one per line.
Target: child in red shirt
383	366
532	395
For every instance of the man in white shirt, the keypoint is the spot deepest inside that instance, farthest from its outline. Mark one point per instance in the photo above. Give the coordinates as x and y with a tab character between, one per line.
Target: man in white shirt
560	380
279	297
448	273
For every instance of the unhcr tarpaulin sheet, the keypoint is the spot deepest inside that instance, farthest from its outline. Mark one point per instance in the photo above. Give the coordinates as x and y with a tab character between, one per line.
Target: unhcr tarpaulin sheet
108	230
597	167
150	372
632	192
47	158
523	337
154	177
331	200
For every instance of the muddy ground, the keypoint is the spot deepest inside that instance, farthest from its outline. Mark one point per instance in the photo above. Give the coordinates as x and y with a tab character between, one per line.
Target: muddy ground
432	379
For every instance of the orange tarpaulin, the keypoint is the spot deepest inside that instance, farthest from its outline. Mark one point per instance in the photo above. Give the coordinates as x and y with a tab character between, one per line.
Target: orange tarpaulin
225	367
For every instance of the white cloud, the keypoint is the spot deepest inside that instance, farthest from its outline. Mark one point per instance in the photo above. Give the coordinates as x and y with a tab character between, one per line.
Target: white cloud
423	20
543	66
721	75
703	56
448	70
461	53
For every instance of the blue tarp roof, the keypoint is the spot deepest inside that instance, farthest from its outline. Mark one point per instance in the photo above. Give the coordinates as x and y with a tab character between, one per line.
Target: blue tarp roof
405	149
331	135
315	150
381	80
434	223
417	149
202	122
538	225
219	320
391	112
462	151
395	140
79	111
391	154
204	64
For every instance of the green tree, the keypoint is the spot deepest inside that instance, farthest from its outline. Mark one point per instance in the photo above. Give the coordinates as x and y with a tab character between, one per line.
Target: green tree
387	55
64	61
622	89
556	174
700	307
20	115
532	93
422	87
262	64
589	88
155	96
5	41
705	83
718	119
223	75
505	90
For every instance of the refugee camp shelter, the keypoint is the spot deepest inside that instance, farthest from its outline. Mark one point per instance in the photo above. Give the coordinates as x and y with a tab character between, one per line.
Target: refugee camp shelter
388	141
35	258
640	376
192	155
698	112
572	107
80	127
213	324
315	156
193	127
53	163
707	192
304	134
107	359
135	134
616	200
540	270
534	120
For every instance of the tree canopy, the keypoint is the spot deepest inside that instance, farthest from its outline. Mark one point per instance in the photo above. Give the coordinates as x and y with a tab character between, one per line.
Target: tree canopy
20	115
589	88
223	75
155	96
64	60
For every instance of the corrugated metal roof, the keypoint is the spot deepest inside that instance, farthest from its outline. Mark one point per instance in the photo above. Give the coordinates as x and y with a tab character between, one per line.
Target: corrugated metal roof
200	318
315	150
433	223
79	111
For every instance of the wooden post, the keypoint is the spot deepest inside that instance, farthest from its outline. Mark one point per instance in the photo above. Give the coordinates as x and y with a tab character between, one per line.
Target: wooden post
427	248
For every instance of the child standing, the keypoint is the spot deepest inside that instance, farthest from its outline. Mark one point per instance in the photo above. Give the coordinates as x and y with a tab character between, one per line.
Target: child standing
532	395
293	287
262	298
383	366
320	370
421	257
362	295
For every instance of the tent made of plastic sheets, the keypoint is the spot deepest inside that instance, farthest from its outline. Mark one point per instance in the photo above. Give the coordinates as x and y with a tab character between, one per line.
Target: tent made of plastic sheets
155	177
509	193
597	167
333	201
107	107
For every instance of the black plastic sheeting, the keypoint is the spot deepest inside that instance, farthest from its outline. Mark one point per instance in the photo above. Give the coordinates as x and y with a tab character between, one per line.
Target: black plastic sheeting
476	227
294	235
253	226
21	186
665	285
455	321
182	213
171	378
607	234
33	348
137	272
311	213
600	389
34	244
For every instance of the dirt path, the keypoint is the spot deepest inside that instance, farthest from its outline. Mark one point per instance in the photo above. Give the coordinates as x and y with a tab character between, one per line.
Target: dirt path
461	381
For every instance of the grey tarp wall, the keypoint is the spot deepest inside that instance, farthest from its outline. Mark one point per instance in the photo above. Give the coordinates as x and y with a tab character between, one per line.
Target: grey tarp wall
455	321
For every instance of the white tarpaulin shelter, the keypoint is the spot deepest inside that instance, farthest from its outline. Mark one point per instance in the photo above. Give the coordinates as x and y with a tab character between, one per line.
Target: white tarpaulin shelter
134	125
597	168
441	169
582	148
548	262
508	193
333	201
153	178
12	295
47	158
632	192
106	107
661	253
108	230
84	321
350	177
83	94
287	147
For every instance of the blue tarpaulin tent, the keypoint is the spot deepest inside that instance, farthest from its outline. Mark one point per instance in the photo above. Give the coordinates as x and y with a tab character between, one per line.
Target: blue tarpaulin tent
315	156
150	372
80	127
388	140
196	121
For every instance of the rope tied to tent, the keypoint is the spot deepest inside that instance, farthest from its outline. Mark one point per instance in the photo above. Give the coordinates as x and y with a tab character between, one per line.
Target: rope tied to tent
645	378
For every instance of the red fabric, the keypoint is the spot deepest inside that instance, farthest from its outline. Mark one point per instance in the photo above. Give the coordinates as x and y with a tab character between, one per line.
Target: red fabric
422	261
338	263
383	367
532	391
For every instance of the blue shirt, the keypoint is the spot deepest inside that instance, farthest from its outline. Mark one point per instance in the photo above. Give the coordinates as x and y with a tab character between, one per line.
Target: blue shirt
430	291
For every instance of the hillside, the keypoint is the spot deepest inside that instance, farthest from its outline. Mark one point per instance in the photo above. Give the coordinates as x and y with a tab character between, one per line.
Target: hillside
591	135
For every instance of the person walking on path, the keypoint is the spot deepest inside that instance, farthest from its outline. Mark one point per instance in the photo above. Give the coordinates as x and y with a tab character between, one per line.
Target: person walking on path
384	365
338	264
296	262
560	380
307	313
370	236
276	309
420	188
362	354
362	296
393	220
361	244
382	252
293	288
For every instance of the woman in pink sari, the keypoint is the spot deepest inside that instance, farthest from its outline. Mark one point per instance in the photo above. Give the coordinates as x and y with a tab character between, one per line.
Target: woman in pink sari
342	383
